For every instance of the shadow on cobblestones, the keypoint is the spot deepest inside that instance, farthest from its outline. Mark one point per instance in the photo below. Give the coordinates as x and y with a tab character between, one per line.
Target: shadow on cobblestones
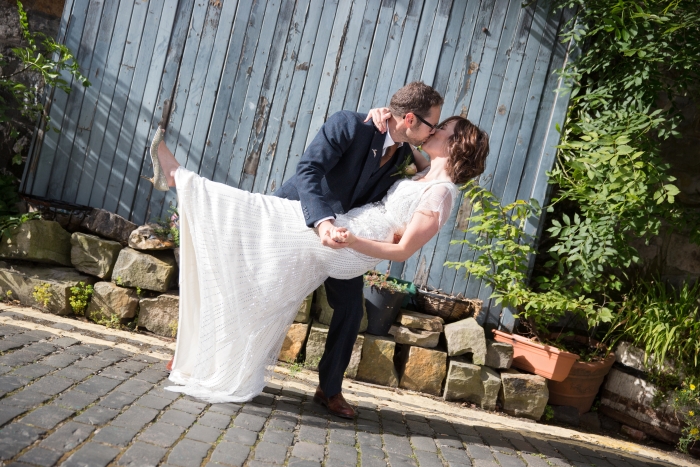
71	403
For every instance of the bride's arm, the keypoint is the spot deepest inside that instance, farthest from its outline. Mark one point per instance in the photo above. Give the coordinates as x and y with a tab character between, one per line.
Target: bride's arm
423	226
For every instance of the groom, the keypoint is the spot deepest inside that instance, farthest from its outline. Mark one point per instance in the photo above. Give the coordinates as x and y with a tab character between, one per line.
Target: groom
348	164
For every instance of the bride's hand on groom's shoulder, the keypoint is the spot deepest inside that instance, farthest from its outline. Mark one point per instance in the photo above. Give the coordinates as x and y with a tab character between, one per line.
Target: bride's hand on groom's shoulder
379	117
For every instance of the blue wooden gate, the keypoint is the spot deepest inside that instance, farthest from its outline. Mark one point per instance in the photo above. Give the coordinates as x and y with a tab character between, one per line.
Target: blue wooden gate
250	82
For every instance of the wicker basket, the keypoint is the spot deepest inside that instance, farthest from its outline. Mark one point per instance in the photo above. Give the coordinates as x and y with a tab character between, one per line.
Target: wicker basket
448	307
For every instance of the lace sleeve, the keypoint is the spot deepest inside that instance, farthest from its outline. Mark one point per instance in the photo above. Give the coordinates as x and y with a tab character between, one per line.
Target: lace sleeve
438	198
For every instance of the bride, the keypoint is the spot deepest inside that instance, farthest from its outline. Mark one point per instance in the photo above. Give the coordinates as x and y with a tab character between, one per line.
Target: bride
248	260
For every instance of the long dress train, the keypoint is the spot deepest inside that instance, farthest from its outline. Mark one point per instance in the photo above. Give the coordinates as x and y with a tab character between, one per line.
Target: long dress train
246	263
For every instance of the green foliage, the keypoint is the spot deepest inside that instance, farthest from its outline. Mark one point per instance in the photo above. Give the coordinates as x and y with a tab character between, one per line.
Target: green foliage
497	235
8	200
173	328
663	321
42	293
686	403
609	174
382	281
80	297
40	55
168	229
112	321
548	413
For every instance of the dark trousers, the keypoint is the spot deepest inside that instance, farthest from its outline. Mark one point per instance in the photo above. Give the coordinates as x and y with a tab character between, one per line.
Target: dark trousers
345	297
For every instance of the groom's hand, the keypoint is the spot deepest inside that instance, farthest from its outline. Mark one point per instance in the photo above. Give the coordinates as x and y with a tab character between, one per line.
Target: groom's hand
326	230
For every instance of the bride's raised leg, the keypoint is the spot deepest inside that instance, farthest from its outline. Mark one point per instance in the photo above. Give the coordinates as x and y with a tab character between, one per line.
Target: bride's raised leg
164	163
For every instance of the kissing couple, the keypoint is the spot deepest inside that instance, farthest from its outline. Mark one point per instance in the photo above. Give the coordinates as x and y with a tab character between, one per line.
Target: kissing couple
248	260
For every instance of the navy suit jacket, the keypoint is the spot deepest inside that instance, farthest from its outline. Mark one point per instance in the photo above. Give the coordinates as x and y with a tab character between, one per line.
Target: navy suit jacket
333	173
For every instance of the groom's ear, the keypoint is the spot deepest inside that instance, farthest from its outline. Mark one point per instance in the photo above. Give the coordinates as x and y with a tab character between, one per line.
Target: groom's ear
410	119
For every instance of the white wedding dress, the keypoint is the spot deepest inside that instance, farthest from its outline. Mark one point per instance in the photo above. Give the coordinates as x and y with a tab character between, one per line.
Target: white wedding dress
247	261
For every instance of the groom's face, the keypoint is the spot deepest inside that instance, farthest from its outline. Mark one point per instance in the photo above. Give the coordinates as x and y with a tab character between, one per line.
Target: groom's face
420	127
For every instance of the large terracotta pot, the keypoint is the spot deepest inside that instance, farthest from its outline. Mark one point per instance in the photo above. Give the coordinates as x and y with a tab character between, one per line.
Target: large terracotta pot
581	386
543	360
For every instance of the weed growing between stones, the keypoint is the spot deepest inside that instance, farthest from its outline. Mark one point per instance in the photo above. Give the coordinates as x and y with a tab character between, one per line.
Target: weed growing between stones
42	293
173	328
80	297
111	321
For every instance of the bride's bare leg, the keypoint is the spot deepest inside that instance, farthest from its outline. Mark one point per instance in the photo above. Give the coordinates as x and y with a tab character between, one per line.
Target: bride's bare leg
168	163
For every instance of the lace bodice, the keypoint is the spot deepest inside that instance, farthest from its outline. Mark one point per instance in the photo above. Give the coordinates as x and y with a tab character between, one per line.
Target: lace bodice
380	221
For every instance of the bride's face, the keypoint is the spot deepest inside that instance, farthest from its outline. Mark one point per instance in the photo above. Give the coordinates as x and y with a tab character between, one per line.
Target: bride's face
436	145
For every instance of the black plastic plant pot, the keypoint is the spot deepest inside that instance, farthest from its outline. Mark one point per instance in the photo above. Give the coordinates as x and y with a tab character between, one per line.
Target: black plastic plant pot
382	308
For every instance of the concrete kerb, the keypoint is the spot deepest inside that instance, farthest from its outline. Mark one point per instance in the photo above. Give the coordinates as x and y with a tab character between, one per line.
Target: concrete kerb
91	327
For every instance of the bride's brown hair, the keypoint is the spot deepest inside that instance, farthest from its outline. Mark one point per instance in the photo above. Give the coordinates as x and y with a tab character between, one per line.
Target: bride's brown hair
467	149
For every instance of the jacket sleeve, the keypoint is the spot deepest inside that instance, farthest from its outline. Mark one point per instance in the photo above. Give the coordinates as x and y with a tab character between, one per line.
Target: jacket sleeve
325	151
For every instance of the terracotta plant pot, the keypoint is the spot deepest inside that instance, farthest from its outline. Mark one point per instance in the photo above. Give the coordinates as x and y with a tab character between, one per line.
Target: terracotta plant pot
543	360
581	386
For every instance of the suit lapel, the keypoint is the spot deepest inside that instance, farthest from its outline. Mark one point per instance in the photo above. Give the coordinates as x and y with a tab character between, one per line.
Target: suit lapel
389	179
371	163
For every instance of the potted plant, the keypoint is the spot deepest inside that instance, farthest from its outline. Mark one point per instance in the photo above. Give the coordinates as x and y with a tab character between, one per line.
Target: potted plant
503	250
384	296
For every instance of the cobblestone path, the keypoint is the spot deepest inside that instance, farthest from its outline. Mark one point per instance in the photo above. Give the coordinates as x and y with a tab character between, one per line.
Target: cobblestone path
77	394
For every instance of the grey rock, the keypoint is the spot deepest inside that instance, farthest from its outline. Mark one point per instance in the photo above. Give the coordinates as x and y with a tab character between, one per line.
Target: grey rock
420	338
293	342
325	313
472	383
466	336
53	282
316	344
160	314
499	355
144	238
110	299
377	363
109	225
304	311
523	395
355	357
93	255
415	320
151	271
39	241
423	370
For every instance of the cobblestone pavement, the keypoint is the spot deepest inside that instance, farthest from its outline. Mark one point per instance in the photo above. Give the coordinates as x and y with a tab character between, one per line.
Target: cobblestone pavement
78	394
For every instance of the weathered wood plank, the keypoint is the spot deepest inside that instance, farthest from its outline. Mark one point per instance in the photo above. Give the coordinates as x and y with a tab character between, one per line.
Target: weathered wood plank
91	95
330	69
301	125
140	143
262	115
68	165
391	51
224	95
425	27
227	156
435	46
350	51
98	100
253	105
455	23
203	87
269	144
296	91
376	55
134	103
403	56
125	74
174	138
359	63
50	155
143	199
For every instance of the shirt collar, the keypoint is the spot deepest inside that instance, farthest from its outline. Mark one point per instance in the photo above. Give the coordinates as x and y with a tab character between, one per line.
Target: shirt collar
388	141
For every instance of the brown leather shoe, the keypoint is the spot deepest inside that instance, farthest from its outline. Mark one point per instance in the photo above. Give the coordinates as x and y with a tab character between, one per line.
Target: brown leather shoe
336	405
169	366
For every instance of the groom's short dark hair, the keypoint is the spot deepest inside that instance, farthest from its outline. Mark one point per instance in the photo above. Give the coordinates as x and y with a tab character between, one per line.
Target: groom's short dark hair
416	97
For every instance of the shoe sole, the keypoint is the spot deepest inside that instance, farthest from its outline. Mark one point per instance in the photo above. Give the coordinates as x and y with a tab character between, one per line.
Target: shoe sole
323	403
